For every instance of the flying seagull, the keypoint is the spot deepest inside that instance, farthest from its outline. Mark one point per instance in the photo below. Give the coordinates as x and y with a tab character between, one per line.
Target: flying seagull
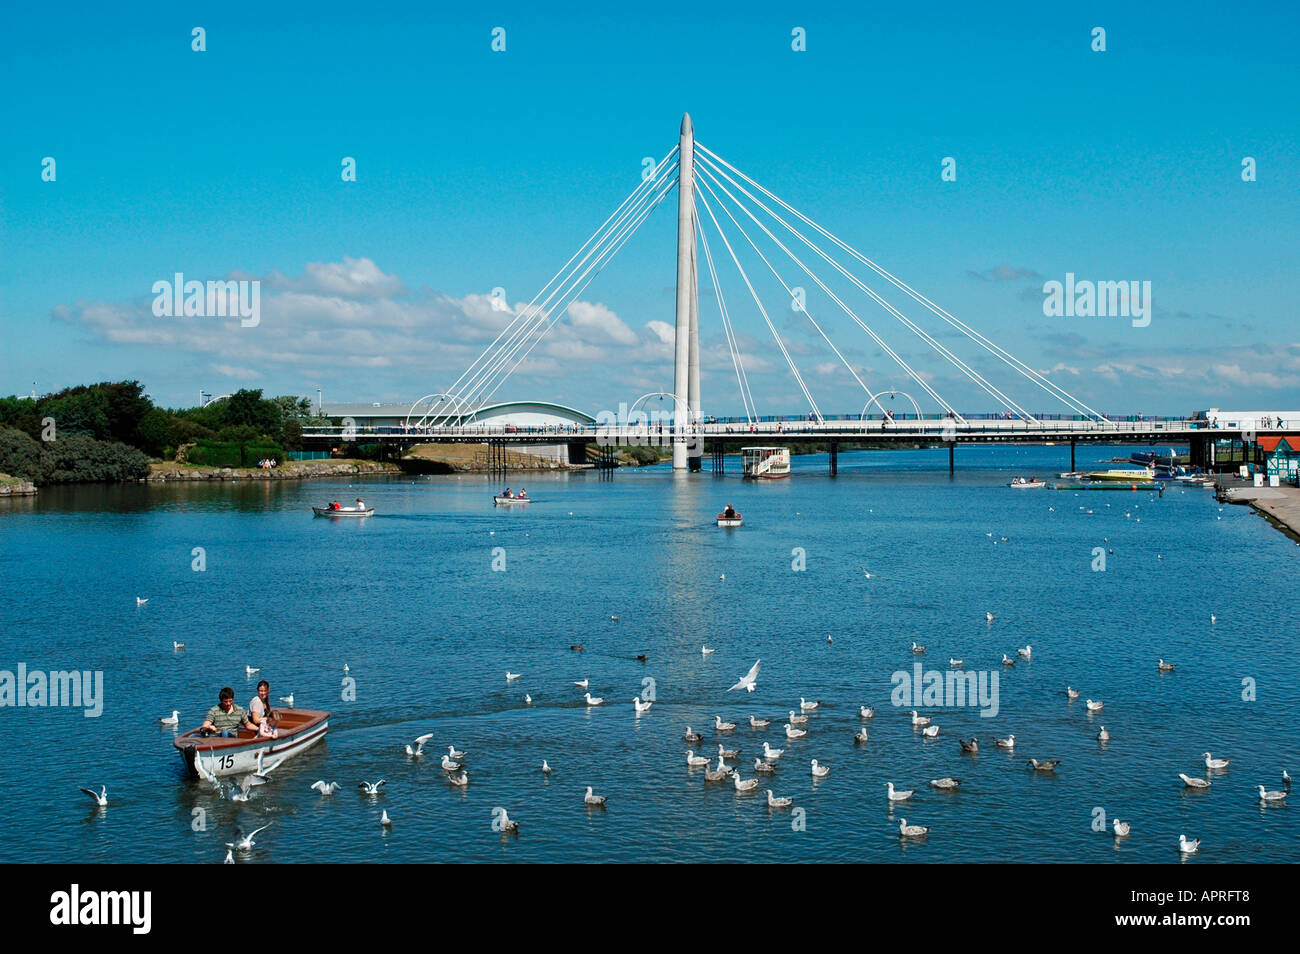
100	797
747	681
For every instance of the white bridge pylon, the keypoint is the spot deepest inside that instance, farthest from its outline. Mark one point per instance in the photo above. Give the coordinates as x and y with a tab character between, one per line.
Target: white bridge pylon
741	212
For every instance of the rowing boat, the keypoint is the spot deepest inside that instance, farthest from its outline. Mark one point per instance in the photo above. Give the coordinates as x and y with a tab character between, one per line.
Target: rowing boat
735	520
502	500
297	730
343	512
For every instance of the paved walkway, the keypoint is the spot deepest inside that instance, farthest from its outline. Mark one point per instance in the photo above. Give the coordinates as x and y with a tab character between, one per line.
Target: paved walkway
1281	503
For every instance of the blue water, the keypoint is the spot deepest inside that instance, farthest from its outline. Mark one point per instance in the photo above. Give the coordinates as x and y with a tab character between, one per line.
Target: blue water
410	601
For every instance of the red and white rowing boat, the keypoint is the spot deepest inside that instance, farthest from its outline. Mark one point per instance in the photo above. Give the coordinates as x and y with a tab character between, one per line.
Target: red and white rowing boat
298	730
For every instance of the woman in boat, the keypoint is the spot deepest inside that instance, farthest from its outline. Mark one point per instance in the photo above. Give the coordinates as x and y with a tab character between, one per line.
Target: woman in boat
360	505
260	712
522	493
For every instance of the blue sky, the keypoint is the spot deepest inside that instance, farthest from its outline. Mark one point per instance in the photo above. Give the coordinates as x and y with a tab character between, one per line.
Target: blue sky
479	170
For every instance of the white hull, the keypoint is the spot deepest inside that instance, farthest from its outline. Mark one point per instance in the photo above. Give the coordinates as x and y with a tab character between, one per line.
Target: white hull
219	756
506	501
345	512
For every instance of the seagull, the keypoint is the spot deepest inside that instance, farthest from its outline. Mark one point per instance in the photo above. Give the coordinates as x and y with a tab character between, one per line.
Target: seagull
172	719
1122	828
346	669
454	753
512	676
250	671
747	681
1286	779
722	726
759	723
972	746
546	767
324	787
911	831
695	760
989	617
797	719
528	699
203	772
1008	743
772	754
919	720
614	618
460	780
245	842
1026	653
1213	618
387	822
287	700
240	793
1094	706
917	650
763	768
955	663
724	753
792	733
372	788
1103	735
712	775
264	773
140	602
820	771
1193	782
230	857
640	706
693	738
744	785
860	736
100	797
1212	763
775	802
806	706
930	731
1164	666
1047	765
591	799
866	573
1071	693
944	783
1007	660
176	645
896	796
1187	847
584	684
416	748
450	766
867	712
1270	796
706	651
593	700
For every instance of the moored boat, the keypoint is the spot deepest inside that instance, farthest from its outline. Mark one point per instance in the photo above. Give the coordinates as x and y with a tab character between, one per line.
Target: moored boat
1026	483
765	463
1128	476
296	731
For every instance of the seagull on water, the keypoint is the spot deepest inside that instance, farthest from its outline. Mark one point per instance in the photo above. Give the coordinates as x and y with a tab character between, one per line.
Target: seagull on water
591	799
955	663
324	787
897	796
759	723
860	736
1188	846
1047	765
172	719
1094	705
1103	735
867	712
989	617
460	779
706	651
640	706
346	669
911	831
917	650
100	797
1164	666
384	820
820	771
695	761
372	788
747	681
1286	779
1071	692
512	676
1213	618
245	842
416	749
806	706
775	802
721	726
251	671
584	684
454	753
716	775
140	602
930	731
1193	782
744	785
1026	653
693	738
944	783
772	754
287	700
792	733
972	746
176	645
763	768
593	700
919	720
1265	796
450	766
1008	743
546	767
1213	763
1122	828
528	699
797	719
1007	660
725	753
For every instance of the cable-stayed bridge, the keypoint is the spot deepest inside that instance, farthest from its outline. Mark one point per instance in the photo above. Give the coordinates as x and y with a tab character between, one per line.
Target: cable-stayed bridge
715	198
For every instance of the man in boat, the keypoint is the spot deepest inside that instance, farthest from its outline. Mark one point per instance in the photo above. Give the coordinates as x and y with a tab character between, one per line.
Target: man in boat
360	505
225	718
507	494
335	506
729	513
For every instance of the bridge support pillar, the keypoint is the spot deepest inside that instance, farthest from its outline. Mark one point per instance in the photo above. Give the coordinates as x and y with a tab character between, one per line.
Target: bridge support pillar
951	462
686	345
1072	467
835	458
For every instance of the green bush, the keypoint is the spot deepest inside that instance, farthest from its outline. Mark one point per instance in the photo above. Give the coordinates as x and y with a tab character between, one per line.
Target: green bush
253	452
71	458
210	453
20	455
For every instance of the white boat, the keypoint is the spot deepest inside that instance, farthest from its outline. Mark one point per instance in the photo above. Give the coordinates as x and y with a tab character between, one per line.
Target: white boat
502	500
297	730
1122	475
1026	483
765	463
732	520
343	512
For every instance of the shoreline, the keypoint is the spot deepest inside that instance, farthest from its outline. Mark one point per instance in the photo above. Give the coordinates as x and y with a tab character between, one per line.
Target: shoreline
1280	506
169	471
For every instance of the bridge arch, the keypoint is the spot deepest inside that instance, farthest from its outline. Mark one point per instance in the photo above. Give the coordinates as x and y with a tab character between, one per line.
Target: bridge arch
891	392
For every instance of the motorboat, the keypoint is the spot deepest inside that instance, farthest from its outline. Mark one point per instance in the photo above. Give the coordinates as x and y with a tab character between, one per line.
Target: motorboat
296	731
1026	483
1127	476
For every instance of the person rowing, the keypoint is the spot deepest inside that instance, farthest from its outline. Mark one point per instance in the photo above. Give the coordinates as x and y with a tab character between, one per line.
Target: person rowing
508	495
729	512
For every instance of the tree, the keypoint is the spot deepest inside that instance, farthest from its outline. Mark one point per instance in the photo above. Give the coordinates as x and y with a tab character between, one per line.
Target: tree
20	455
154	432
80	411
